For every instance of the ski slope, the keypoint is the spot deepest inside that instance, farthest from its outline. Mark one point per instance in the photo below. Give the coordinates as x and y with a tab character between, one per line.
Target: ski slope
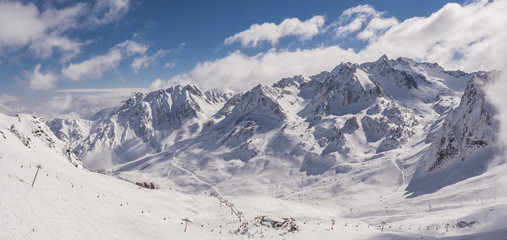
69	202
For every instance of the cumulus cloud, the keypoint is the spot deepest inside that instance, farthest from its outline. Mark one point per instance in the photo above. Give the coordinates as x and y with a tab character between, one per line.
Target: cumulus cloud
61	103
10	105
95	67
41	81
376	27
45	30
353	19
61	20
24	25
141	62
19	23
145	61
239	72
359	9
272	32
106	11
44	47
471	37
130	47
158	84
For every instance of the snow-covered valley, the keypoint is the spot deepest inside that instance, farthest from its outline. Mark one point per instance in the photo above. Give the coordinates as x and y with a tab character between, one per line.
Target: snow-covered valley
392	149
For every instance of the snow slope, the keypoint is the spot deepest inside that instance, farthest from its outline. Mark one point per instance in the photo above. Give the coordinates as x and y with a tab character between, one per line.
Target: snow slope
69	202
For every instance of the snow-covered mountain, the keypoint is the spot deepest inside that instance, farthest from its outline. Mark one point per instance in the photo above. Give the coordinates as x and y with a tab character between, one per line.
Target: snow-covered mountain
301	126
465	144
30	133
468	128
145	123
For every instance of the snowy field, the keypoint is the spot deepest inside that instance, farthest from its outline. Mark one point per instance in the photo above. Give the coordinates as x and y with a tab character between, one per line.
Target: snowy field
68	202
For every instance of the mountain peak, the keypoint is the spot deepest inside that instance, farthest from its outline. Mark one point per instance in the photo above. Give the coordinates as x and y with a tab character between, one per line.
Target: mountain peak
383	58
405	61
296	80
345	67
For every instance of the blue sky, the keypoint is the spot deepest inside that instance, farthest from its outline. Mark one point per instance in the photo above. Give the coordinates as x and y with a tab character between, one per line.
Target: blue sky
49	47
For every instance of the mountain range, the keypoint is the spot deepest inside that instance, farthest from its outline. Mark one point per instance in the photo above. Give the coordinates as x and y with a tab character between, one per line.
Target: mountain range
390	149
281	136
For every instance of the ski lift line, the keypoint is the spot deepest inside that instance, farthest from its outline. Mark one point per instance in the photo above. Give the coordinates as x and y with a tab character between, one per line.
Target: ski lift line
443	204
381	211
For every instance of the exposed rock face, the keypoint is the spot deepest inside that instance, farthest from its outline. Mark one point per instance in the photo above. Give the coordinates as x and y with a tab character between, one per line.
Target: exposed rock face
468	128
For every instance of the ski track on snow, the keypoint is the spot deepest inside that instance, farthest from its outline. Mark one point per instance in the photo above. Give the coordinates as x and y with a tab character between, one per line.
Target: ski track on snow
403	181
175	164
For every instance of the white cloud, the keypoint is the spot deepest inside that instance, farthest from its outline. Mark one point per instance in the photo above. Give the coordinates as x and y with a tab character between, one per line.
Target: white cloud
353	26
84	104
239	72
61	20
106	11
22	25
158	84
141	62
70	103
112	91
19	24
376	27
495	93
147	61
95	67
45	30
10	105
167	64
272	32
476	32
41	81
356	18
132	47
61	103
44	48
359	9
470	37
